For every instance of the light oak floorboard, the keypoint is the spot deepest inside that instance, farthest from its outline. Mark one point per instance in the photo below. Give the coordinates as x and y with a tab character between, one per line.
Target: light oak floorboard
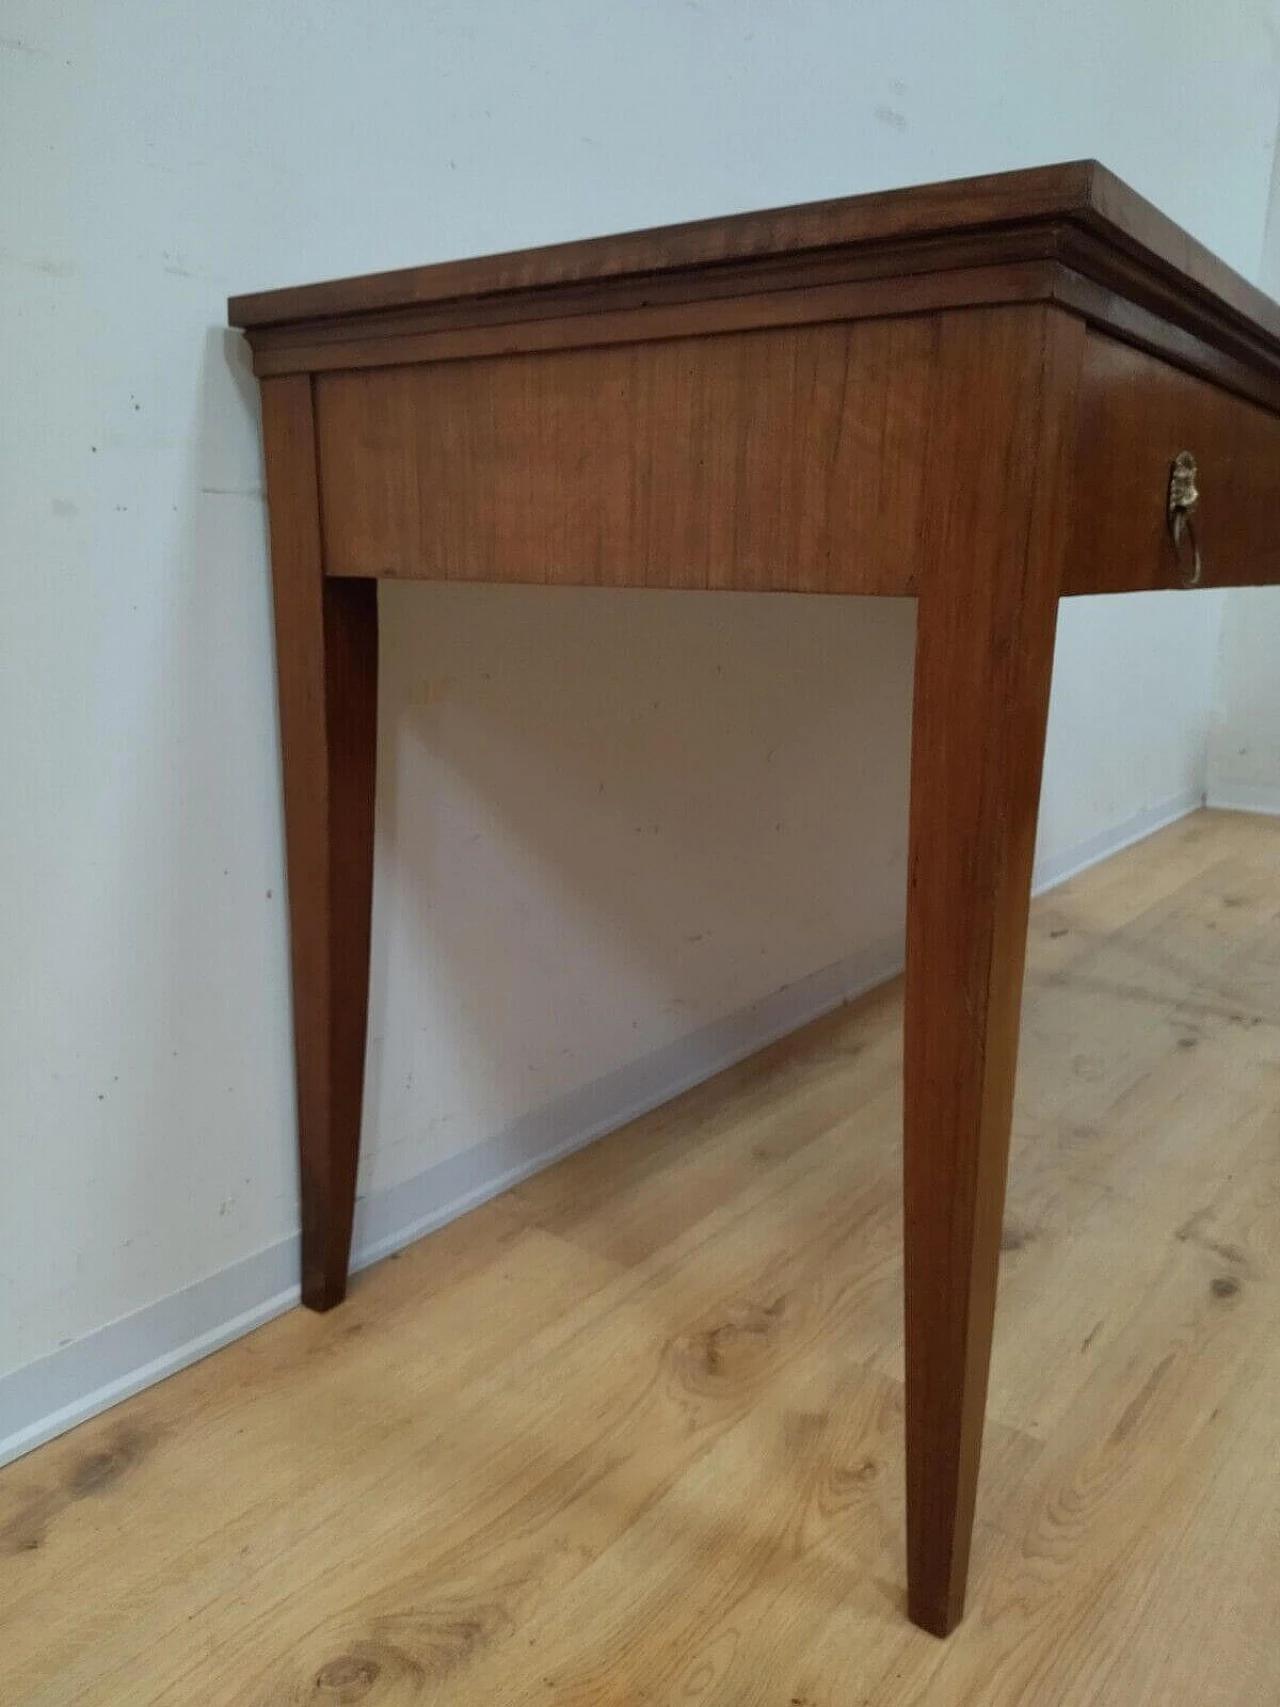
632	1433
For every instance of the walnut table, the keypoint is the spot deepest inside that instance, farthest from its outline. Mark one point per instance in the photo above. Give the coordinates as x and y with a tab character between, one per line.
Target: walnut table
984	395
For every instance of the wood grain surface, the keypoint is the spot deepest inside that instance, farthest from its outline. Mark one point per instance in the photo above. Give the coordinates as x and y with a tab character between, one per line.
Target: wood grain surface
1136	414
633	1433
1072	234
991	560
789	460
326	634
732	246
1090	213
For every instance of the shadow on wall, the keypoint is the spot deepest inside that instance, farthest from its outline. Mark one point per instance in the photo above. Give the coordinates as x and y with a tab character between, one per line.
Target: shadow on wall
606	818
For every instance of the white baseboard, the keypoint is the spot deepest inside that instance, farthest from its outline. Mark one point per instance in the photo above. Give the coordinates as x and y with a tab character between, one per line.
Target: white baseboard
51	1395
1060	868
1245	797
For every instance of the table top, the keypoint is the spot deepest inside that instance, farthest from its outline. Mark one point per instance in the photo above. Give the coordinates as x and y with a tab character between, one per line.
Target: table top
1077	218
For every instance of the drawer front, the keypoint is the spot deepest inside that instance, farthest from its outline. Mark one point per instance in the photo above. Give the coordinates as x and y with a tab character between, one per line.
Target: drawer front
1136	414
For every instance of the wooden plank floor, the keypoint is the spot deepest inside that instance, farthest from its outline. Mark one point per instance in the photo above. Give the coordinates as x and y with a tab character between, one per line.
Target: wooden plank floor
632	1434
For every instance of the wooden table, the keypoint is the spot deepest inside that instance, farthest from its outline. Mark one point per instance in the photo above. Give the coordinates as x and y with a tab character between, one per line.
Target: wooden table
971	393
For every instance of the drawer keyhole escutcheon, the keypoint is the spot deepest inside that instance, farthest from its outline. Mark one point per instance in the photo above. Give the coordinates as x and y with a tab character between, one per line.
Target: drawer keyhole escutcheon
1184	496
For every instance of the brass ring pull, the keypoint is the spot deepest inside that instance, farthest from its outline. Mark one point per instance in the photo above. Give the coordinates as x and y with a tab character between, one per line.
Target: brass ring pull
1184	496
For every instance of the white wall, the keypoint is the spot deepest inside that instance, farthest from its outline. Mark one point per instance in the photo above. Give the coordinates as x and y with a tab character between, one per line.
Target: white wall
608	824
1244	741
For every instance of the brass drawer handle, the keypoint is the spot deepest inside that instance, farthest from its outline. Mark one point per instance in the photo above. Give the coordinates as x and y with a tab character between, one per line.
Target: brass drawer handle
1184	496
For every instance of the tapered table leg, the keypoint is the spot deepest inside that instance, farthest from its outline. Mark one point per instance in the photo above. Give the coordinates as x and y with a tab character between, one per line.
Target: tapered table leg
987	615
327	662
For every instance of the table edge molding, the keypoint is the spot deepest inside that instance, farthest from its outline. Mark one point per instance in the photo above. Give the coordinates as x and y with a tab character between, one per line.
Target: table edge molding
1015	237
